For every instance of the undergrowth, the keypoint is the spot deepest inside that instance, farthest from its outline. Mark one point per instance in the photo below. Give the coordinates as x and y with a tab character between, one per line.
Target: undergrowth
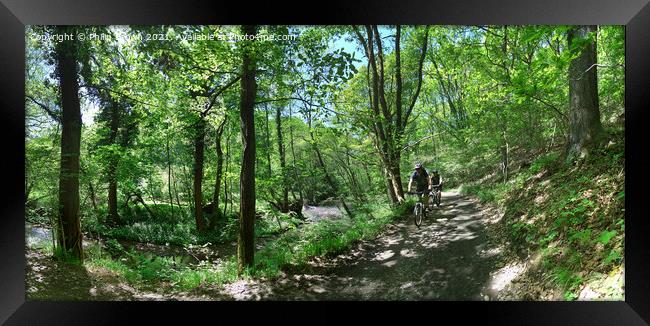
572	214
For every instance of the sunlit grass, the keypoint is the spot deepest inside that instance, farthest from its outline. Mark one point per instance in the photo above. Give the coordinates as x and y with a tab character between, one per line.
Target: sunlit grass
321	239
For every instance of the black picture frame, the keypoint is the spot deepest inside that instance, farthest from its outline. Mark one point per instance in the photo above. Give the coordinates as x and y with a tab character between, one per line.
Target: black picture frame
15	14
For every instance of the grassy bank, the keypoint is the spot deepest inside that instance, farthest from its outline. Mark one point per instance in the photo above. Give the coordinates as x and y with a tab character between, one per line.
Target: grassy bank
291	250
570	216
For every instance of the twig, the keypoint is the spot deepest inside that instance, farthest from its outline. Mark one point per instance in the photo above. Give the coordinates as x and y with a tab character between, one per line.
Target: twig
599	65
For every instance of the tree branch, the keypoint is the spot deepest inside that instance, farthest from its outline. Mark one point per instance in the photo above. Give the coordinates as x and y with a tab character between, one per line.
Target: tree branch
420	66
598	65
52	113
417	142
216	94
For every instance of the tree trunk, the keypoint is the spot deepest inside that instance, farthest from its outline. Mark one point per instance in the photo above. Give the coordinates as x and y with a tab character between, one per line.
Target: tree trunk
91	190
199	140
396	176
267	141
178	200
113	216
188	189
388	127
389	186
297	180
93	196
69	228
169	177
504	158
246	240
216	213
284	206
585	129
267	147
225	180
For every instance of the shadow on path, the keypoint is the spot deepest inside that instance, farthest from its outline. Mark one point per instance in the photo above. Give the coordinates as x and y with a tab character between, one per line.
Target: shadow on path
445	259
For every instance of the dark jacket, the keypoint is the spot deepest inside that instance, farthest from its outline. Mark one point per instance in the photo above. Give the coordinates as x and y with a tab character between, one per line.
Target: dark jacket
421	180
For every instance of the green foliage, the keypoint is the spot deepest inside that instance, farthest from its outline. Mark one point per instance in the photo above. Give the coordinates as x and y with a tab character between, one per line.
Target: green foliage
146	271
324	238
569	281
544	162
113	247
489	95
613	256
577	224
606	236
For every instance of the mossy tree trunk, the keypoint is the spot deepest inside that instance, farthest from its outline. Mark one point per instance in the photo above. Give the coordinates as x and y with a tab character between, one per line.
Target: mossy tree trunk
585	128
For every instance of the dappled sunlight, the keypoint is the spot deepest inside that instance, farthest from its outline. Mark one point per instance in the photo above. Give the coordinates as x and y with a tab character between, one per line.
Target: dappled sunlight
384	255
486	253
505	275
390	263
444	259
410	253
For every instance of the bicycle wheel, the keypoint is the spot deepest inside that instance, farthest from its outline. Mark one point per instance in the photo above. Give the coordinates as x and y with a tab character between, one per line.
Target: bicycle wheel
418	212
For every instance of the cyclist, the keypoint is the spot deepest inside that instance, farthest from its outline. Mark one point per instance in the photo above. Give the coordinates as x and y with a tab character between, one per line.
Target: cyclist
435	181
422	181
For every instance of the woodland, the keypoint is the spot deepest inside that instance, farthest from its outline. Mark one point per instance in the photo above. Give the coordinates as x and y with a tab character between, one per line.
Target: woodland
201	162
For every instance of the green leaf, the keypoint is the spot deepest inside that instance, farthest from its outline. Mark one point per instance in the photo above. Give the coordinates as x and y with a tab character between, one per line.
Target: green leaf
606	236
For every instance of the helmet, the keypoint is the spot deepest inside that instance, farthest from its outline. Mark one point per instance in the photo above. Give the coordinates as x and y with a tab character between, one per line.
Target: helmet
434	171
418	166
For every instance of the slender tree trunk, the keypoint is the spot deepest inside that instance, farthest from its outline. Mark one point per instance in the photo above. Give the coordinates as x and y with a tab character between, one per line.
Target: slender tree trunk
199	147
298	180
188	189
504	157
585	128
216	213
69	235
225	180
113	216
246	240
169	177
396	176
178	200
152	193
93	196
267	140
91	190
389	186
267	147
388	126
283	163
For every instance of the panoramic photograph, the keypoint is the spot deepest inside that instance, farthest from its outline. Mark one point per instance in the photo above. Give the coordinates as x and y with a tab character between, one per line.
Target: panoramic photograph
321	163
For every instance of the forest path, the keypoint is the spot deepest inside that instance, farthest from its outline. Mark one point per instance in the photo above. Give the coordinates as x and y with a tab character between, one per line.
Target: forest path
447	258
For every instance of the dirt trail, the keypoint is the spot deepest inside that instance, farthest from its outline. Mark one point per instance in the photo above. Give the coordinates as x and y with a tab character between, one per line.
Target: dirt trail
447	258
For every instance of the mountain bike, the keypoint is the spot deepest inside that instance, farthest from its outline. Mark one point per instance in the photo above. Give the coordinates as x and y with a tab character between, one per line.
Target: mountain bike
418	210
434	198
